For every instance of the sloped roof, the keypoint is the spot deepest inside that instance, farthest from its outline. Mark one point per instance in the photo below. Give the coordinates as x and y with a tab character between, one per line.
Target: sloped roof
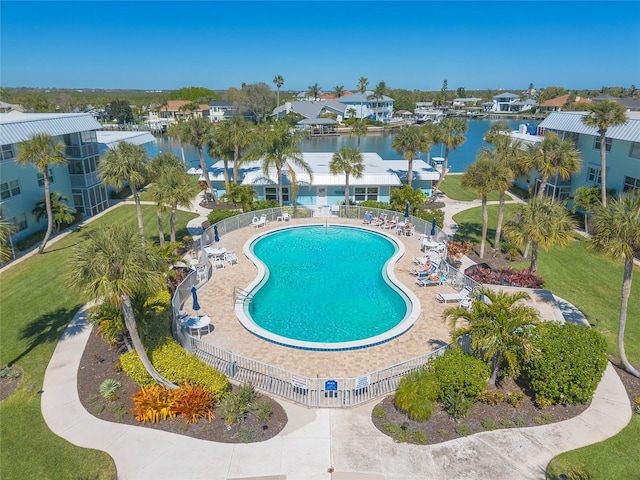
110	139
16	128
376	171
506	95
359	97
572	122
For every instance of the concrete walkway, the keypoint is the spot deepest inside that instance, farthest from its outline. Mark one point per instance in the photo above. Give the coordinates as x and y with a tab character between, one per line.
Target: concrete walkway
320	444
315	442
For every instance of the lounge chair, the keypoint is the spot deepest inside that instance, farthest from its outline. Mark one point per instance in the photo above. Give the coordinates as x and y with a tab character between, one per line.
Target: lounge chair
285	216
255	222
454	297
466	303
427	282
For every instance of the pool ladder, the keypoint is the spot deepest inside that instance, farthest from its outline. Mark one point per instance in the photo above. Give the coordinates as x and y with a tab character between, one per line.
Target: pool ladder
241	296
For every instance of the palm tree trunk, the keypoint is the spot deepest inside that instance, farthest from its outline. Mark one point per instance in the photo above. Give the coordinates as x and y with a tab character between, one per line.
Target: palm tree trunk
184	162
207	180
495	368
534	257
346	190
542	186
160	225
603	167
236	167
279	173
225	162
485	225
496	240
130	322
409	170
47	203
172	224
626	292
136	198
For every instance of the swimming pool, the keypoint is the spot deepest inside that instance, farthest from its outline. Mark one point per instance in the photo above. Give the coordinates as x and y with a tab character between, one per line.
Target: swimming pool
326	287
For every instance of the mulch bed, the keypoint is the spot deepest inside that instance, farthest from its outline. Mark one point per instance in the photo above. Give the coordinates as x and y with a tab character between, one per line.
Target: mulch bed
441	427
9	384
99	362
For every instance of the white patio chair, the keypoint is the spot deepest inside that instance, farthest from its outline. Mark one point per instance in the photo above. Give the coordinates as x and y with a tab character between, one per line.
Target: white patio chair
231	258
454	297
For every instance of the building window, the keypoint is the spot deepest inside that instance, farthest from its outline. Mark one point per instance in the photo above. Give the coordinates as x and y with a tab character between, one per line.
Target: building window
635	150
593	175
75	167
9	189
631	184
607	144
573	136
19	221
271	193
41	178
366	193
7	152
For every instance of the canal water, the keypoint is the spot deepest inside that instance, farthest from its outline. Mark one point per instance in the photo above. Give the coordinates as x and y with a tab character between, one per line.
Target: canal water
380	143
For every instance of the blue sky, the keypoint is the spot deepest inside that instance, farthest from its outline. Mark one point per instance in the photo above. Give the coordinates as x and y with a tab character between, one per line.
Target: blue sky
413	45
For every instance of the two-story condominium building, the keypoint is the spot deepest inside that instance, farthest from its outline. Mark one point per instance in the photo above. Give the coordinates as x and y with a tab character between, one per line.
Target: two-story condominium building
22	187
623	154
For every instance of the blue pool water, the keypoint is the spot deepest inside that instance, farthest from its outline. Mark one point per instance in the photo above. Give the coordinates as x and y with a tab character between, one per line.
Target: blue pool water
326	284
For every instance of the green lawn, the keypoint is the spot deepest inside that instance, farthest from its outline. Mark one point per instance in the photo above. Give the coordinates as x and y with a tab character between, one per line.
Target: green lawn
451	187
593	284
35	309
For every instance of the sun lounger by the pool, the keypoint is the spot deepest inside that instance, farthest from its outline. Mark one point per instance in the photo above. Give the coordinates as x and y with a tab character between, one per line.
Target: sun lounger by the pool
427	282
454	297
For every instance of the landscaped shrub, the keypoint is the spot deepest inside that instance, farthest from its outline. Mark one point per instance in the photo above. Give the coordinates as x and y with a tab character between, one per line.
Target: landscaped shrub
108	389
506	276
217	215
177	366
567	364
416	393
155	403
457	371
457	404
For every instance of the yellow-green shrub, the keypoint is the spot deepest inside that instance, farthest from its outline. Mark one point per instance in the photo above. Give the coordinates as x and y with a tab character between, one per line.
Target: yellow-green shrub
177	366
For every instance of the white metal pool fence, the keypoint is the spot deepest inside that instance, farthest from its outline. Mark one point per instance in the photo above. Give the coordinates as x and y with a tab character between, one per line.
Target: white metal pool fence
310	391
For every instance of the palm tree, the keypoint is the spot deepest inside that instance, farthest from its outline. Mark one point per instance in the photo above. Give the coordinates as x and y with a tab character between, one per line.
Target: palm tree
175	190
6	247
552	157
479	176
126	163
347	160
176	130
363	82
160	167
314	91
586	199
278	149
450	133
112	266
500	329
507	153
62	212
378	93
602	115
230	138
542	222
279	81
339	91
41	152
407	142
359	129
198	132
617	233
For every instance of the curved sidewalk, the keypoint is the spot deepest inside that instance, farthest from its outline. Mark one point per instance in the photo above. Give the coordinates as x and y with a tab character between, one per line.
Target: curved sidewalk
316	440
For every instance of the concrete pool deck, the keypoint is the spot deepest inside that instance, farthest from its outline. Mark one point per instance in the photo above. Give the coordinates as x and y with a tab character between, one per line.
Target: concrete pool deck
329	444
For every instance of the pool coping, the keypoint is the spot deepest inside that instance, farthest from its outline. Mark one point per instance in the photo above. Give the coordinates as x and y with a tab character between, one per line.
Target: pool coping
413	307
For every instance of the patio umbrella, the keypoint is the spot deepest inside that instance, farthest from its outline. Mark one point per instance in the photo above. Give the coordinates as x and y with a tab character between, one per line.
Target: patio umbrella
406	212
194	294
433	226
216	237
